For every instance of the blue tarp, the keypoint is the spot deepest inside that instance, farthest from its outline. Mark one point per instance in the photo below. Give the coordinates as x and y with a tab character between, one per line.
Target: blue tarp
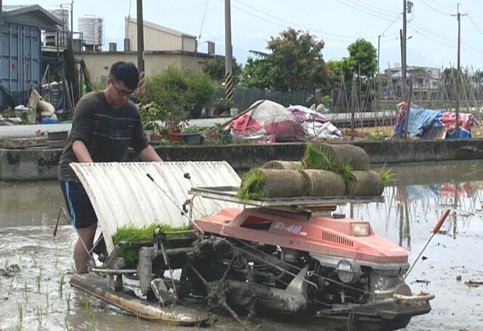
422	119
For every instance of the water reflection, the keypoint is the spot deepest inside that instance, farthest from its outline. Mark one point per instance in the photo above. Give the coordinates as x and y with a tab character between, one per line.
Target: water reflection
35	203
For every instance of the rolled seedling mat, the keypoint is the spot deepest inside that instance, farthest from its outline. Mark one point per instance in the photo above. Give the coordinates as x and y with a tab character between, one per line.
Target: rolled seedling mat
276	183
339	155
364	183
278	164
323	183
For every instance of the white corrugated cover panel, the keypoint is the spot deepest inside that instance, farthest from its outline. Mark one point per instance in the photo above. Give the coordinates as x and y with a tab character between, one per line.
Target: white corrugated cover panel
122	194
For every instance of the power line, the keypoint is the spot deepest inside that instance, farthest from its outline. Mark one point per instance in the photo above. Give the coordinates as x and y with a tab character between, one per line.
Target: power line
367	9
395	19
443	38
434	9
474	24
273	20
203	19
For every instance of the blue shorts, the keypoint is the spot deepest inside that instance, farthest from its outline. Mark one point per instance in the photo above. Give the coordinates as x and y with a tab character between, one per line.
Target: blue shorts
78	204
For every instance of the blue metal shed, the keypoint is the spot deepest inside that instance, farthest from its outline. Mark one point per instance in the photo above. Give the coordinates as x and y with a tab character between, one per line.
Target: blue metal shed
20	49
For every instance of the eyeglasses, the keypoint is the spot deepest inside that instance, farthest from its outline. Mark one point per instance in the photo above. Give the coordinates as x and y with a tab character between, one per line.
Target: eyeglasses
122	93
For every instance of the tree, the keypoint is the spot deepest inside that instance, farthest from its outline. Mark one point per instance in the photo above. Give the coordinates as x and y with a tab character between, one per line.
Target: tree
256	72
294	63
449	78
215	68
361	63
335	69
362	59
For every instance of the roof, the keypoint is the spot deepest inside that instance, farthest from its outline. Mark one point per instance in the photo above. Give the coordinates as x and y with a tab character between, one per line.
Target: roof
30	15
161	28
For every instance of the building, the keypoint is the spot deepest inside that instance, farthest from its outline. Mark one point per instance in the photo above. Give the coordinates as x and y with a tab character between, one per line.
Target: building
23	68
163	47
426	81
59	35
20	52
92	31
158	38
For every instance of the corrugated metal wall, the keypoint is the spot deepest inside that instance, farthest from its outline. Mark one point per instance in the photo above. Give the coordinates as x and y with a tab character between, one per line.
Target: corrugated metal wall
122	194
158	39
20	59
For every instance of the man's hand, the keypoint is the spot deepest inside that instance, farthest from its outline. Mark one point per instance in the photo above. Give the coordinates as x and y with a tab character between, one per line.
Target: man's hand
149	154
81	151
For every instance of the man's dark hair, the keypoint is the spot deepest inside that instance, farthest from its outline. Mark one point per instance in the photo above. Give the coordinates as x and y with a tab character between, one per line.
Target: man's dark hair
126	72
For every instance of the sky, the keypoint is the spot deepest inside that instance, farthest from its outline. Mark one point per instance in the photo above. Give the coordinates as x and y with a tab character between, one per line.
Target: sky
432	25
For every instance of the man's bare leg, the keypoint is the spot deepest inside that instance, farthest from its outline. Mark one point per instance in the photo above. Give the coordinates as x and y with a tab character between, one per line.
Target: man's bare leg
86	237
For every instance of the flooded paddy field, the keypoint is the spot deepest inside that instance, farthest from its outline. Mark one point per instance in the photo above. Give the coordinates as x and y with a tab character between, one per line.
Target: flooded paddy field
35	266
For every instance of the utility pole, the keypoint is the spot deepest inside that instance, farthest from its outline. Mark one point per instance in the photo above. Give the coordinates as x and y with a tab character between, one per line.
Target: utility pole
140	34
403	34
458	72
72	23
378	53
228	53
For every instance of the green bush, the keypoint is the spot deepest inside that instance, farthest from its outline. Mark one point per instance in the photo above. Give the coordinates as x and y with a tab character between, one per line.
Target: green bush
200	94
180	94
151	114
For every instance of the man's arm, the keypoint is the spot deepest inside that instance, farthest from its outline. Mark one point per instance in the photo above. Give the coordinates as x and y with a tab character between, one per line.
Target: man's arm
81	151
149	154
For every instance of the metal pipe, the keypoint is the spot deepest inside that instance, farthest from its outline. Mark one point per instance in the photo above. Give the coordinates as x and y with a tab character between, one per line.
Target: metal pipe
435	230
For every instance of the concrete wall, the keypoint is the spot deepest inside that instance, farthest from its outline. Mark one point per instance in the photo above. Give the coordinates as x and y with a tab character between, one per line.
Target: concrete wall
29	164
41	164
155	63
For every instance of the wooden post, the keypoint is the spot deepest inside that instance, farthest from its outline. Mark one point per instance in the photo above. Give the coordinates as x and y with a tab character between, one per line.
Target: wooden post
406	120
352	104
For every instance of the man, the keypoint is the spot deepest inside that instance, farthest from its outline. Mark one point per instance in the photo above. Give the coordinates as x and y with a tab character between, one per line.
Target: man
104	125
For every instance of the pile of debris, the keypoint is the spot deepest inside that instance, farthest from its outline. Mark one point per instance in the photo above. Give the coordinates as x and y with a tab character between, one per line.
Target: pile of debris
269	121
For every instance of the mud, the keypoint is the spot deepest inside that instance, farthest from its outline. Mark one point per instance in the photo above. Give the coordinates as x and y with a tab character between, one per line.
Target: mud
35	266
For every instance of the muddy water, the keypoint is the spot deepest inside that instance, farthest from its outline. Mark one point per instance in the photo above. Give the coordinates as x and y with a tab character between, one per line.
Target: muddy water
35	266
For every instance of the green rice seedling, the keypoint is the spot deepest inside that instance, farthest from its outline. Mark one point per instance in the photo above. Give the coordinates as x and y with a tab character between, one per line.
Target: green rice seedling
88	307
56	253
47	299
25	291
346	172
19	326
67	327
386	174
317	157
37	247
252	186
132	235
39	313
67	302
38	280
61	283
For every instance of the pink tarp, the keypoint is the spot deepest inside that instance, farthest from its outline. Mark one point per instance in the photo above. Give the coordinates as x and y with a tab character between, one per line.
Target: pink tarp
268	120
